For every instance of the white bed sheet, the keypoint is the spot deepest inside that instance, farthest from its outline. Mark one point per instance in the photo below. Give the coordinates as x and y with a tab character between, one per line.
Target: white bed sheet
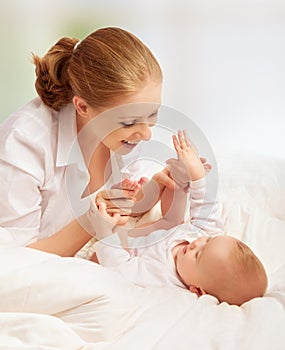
55	311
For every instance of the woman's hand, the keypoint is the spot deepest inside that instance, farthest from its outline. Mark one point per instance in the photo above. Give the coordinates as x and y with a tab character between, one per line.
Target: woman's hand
110	208
97	222
120	199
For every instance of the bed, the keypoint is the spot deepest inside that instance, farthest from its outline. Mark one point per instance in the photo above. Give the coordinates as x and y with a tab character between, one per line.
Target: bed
53	309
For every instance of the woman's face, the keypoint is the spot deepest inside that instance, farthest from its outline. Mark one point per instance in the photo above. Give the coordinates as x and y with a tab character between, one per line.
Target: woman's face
130	119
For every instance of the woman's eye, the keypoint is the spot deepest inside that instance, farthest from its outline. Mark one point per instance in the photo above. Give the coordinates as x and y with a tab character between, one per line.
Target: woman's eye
153	115
127	124
130	123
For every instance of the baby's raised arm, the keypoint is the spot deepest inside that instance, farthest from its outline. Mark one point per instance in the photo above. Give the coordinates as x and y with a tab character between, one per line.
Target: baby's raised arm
188	171
184	169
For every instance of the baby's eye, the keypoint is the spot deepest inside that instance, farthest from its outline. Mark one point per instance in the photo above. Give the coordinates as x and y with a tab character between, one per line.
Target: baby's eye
197	255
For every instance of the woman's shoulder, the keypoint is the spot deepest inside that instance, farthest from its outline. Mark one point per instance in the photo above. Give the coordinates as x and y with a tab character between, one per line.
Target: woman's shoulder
32	120
37	132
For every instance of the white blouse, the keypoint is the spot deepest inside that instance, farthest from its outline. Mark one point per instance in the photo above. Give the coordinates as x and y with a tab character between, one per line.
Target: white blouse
41	184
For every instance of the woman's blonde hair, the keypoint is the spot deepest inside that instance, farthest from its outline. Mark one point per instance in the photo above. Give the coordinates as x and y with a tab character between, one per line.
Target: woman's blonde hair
108	63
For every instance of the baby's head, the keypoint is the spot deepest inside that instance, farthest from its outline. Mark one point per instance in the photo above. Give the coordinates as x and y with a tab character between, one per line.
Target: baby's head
221	266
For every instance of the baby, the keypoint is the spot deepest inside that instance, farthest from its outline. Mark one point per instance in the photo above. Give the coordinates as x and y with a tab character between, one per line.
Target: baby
194	255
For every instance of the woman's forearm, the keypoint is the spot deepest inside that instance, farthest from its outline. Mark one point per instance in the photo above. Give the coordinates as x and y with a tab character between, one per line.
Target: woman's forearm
66	242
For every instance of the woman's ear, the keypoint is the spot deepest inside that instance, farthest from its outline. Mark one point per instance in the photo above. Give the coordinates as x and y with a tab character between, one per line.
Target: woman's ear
197	290
81	106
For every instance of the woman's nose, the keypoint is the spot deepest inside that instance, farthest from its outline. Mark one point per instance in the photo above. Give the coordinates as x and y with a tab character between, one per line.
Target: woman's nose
144	131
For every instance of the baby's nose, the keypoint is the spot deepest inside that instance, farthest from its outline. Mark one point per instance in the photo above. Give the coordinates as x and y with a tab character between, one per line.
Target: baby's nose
197	243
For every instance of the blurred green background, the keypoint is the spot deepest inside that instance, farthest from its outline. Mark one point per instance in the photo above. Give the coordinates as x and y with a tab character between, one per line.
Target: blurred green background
223	61
33	26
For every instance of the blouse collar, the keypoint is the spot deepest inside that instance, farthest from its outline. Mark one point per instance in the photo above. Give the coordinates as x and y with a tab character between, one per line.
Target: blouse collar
68	151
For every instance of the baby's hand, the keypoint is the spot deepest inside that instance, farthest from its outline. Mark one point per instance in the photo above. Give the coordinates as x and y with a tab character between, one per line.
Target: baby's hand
188	166
189	155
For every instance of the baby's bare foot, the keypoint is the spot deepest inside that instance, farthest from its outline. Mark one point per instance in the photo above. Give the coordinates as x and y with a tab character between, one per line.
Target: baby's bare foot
130	187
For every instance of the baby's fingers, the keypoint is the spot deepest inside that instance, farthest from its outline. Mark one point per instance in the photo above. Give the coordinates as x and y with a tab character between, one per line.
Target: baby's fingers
143	180
181	138
181	141
176	144
186	138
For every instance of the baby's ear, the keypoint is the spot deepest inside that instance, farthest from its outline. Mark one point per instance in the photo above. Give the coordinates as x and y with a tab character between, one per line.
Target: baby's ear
197	290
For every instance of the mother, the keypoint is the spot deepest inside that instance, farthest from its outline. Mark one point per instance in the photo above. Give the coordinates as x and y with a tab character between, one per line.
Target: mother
76	82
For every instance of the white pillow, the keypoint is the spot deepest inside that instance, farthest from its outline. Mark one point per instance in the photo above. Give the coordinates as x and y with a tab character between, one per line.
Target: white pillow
252	197
253	181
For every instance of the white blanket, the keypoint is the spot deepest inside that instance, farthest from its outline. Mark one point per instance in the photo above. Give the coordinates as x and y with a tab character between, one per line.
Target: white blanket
48	302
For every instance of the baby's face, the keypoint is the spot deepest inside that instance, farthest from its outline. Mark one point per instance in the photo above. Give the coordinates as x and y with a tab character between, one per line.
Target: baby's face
204	260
